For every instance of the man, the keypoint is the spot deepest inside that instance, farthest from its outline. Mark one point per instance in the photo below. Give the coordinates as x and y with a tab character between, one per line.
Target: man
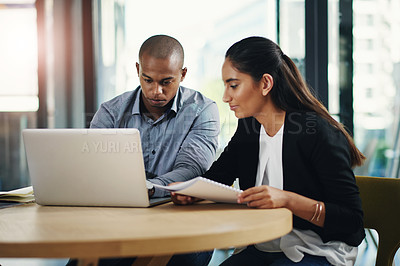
178	126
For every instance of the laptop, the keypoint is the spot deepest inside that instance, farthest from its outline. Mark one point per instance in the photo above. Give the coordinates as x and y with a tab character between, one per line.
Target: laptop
87	167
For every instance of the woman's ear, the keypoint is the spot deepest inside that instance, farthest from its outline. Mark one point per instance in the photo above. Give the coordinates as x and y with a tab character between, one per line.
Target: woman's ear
267	82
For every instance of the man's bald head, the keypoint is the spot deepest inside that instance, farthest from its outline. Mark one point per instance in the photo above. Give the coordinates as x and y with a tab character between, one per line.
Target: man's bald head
162	47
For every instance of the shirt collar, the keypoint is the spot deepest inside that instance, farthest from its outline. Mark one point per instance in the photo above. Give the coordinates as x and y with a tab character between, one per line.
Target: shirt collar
136	104
176	104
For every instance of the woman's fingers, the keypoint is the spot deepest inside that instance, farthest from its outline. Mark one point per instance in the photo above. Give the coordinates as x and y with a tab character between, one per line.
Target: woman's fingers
262	197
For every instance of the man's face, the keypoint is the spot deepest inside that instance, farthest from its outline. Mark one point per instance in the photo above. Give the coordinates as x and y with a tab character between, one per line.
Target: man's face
159	79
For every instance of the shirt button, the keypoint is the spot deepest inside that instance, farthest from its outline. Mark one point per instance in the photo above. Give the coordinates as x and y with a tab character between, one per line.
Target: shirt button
153	152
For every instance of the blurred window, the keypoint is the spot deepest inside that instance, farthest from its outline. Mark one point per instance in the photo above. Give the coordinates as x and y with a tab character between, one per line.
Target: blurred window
18	53
206	29
18	87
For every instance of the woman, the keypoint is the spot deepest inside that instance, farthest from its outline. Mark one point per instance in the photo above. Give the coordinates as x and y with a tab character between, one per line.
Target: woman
288	152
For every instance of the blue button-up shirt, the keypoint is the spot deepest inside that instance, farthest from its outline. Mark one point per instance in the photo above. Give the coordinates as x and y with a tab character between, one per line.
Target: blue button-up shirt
178	146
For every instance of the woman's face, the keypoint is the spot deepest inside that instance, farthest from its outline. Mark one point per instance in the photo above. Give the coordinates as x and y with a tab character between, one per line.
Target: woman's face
242	93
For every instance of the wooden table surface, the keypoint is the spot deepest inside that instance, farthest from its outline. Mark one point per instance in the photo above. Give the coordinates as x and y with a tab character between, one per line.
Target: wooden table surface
93	232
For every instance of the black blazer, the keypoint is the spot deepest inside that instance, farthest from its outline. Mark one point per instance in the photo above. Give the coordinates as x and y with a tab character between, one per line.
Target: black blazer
316	164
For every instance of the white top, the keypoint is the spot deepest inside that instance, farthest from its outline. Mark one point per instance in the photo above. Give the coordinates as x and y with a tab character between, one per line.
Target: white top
297	242
270	160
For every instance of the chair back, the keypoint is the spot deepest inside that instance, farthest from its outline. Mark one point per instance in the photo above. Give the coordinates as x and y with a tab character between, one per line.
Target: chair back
380	198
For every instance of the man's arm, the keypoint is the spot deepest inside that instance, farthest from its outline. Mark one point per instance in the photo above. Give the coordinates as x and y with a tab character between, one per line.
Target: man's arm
197	151
112	112
103	118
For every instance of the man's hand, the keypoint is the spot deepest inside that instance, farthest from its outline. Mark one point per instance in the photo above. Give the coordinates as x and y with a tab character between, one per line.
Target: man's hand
180	199
150	188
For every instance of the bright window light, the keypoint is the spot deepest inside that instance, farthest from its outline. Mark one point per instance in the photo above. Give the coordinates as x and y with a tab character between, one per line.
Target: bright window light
18	64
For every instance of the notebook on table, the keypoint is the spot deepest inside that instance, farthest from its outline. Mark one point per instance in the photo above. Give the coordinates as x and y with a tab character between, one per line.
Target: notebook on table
87	167
204	188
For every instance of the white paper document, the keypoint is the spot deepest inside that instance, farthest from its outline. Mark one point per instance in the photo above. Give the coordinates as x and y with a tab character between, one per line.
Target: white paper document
18	195
204	188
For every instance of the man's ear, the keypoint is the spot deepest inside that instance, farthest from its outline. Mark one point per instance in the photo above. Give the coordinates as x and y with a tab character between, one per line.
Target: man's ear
184	71
137	68
267	82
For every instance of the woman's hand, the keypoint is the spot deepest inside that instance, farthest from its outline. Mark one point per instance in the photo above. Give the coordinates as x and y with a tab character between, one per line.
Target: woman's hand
264	197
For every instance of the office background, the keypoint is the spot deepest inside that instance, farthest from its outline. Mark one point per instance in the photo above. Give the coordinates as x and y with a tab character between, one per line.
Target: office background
59	60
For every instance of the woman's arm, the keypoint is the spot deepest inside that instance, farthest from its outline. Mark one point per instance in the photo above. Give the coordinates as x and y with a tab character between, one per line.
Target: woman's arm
227	167
266	197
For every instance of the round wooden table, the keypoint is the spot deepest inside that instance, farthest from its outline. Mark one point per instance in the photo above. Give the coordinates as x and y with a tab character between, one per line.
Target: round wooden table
90	233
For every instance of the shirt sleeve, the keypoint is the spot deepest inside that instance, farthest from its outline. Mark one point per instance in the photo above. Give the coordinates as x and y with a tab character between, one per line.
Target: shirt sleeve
103	118
197	151
227	167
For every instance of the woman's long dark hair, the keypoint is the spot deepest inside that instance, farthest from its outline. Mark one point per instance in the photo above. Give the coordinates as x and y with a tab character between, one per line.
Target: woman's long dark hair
258	55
